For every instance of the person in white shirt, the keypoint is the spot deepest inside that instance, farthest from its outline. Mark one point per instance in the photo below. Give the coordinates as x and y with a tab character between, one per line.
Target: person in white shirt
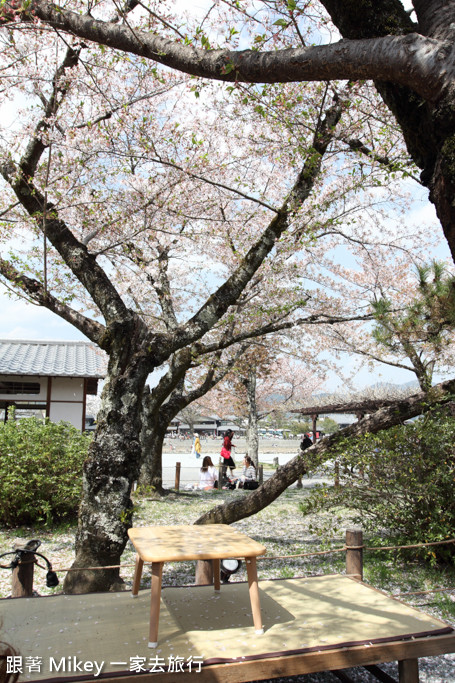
248	477
208	475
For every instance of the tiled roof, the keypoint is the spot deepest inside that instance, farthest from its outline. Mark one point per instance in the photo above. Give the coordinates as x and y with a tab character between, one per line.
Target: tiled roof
52	358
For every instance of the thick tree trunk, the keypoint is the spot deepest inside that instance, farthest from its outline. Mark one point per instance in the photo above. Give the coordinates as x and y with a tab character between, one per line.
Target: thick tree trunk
109	471
428	125
252	440
442	184
152	439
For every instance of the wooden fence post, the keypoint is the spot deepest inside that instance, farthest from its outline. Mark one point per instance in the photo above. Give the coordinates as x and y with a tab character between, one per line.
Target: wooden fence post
177	476
354	552
22	577
220	475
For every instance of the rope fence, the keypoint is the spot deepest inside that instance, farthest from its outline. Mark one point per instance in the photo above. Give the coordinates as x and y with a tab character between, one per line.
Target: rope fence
434	590
285	557
353	548
274	557
268	557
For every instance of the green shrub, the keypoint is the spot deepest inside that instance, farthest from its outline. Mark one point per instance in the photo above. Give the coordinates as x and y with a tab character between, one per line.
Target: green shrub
400	483
40	471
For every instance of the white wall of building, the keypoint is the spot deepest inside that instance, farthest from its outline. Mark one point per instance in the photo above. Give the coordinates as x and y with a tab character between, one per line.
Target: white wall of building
66	400
42	381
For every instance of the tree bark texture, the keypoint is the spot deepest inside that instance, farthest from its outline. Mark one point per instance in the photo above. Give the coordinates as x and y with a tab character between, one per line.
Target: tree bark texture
287	474
109	471
252	438
366	406
427	122
152	439
410	59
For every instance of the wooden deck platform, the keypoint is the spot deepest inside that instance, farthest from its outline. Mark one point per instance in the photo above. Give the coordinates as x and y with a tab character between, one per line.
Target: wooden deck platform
311	624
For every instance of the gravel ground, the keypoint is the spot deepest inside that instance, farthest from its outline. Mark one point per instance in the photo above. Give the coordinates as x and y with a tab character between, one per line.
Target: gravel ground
280	527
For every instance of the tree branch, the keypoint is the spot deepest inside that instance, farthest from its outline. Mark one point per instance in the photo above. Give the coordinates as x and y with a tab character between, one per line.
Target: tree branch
316	454
412	60
228	293
92	329
179	401
73	252
36	146
315	319
163	289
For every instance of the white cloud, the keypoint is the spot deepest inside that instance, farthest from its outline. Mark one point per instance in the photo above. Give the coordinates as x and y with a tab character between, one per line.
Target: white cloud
19	320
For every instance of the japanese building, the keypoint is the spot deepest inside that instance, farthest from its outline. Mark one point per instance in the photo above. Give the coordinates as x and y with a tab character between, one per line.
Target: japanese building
49	378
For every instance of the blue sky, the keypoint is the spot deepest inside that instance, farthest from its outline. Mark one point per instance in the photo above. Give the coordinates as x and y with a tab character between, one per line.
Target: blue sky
19	320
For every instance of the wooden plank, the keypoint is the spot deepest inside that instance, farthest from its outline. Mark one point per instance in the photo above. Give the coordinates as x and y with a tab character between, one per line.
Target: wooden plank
192	542
408	671
292	665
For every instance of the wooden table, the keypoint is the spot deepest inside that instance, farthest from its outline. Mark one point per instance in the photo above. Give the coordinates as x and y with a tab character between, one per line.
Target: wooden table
214	542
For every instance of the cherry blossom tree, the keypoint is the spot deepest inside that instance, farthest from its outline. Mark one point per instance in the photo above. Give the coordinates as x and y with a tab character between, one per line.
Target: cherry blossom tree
410	58
264	382
262	299
408	55
163	237
413	308
106	196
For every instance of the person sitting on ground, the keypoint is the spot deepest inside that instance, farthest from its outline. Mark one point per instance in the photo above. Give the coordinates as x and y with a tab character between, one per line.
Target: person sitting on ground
208	475
248	476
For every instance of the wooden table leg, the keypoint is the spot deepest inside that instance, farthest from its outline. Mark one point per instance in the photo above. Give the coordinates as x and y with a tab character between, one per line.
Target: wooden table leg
254	593
137	576
216	574
157	573
408	671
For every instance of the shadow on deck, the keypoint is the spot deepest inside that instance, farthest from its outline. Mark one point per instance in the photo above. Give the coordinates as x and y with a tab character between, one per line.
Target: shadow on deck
311	624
